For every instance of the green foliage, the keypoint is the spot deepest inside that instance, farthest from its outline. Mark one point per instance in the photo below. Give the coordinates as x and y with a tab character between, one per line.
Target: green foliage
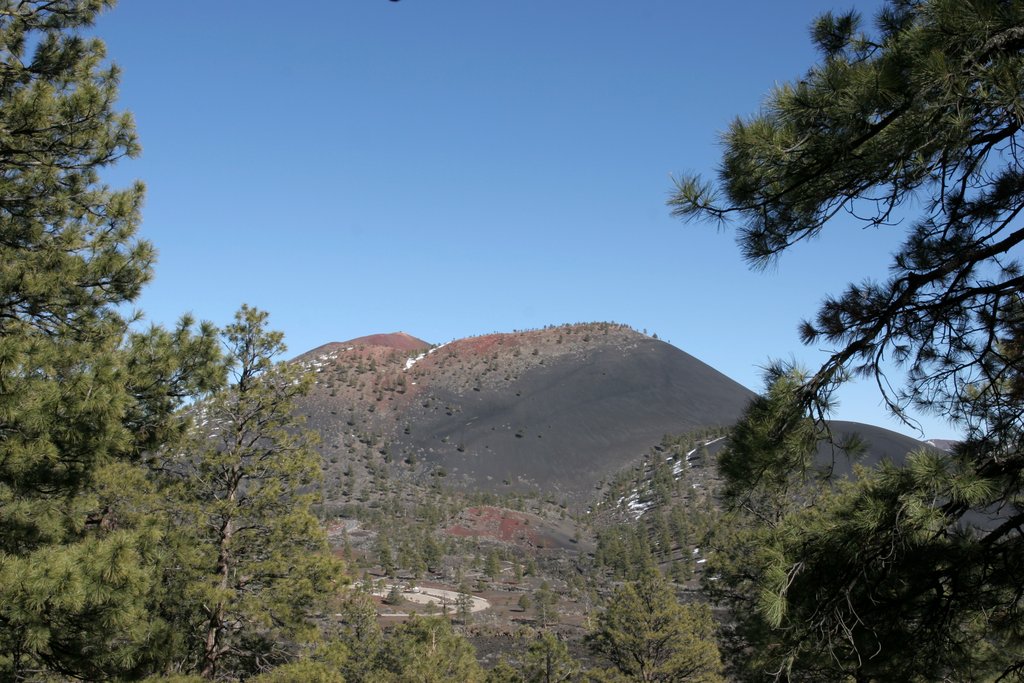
426	649
504	672
545	660
464	604
771	448
548	660
545	602
647	635
912	573
81	399
133	541
385	556
492	568
927	113
678	517
305	671
872	567
358	630
259	559
394	596
625	550
65	270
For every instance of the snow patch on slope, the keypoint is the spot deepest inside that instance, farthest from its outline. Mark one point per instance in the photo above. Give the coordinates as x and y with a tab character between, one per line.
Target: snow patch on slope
412	361
640	502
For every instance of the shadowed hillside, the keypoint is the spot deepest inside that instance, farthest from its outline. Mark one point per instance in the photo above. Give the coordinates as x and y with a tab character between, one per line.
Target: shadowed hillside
564	424
555	409
880	444
558	410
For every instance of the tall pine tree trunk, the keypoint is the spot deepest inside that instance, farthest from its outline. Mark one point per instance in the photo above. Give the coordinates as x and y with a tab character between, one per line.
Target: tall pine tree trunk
213	648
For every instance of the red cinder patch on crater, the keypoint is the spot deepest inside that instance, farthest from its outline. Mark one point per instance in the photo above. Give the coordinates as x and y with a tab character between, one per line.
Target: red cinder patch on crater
499	524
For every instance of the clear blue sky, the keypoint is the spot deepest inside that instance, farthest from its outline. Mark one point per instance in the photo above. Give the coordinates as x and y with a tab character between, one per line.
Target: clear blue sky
458	167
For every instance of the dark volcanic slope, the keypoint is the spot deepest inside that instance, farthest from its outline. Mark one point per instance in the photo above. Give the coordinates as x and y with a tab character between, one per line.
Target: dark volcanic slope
555	409
566	424
880	444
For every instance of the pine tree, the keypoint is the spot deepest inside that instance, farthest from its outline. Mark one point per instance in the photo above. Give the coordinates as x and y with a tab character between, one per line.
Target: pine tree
464	604
492	566
261	565
305	671
545	603
81	399
504	672
915	571
359	632
547	660
385	556
427	650
648	636
394	596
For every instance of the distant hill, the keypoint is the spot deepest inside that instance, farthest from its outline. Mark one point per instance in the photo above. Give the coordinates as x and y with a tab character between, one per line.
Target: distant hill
880	444
398	341
556	410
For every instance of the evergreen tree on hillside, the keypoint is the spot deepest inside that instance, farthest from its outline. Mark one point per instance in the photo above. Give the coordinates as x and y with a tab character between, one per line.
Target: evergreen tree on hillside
647	635
427	650
79	396
547	660
360	633
545	603
108	567
260	560
915	571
